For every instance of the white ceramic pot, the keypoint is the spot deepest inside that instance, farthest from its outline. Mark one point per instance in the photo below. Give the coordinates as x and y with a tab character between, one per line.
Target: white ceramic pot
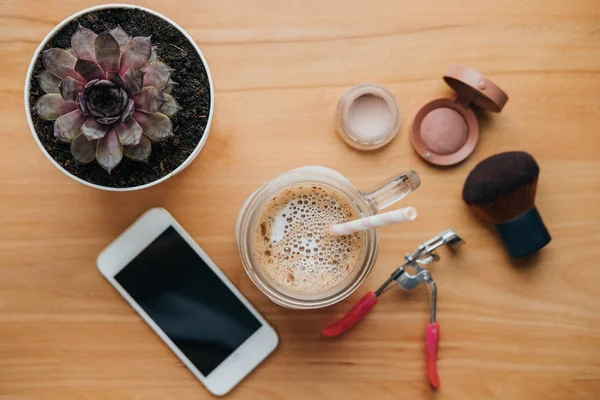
28	111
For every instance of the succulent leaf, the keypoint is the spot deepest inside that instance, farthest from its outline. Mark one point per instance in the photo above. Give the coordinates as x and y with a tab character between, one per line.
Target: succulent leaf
170	107
136	54
128	110
134	80
92	108
67	127
92	129
108	120
129	132
109	151
60	63
83	150
81	102
49	82
70	88
91	83
115	78
157	74
169	88
153	55
120	36
139	152
149	100
51	106
82	43
156	126
108	52
89	70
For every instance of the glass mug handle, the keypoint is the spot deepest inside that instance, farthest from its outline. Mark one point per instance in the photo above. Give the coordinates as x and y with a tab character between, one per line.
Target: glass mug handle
391	190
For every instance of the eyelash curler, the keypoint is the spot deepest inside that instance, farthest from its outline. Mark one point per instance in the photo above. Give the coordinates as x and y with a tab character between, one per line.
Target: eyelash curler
424	255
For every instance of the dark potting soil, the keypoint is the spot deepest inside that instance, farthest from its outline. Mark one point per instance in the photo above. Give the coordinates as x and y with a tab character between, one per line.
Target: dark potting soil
192	93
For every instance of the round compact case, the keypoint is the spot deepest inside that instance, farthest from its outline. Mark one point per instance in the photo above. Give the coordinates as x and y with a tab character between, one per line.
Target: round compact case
445	131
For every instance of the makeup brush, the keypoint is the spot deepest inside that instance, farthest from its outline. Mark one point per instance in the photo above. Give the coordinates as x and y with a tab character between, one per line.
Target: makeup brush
501	190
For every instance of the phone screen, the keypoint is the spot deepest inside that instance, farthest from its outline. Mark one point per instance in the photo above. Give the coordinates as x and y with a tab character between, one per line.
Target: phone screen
188	301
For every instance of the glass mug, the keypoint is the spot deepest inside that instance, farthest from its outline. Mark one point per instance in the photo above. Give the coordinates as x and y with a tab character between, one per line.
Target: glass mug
365	204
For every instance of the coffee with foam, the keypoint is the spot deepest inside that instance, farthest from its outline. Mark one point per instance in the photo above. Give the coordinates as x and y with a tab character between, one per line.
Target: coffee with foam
292	243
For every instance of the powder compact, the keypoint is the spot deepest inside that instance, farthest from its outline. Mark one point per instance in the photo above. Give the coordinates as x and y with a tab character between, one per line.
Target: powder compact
445	131
367	116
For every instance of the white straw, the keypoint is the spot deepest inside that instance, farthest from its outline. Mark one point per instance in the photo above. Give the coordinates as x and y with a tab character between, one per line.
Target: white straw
374	221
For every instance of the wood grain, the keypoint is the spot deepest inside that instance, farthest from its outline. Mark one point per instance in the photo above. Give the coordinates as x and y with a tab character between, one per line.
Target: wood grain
510	330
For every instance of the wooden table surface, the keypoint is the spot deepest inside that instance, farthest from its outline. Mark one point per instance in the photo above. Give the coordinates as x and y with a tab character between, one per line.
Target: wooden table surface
510	330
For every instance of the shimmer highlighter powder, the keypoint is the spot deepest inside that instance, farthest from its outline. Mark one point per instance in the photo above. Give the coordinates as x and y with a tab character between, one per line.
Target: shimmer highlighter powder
367	117
445	131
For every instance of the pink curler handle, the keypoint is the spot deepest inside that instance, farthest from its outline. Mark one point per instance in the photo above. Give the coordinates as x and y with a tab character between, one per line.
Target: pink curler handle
363	306
432	340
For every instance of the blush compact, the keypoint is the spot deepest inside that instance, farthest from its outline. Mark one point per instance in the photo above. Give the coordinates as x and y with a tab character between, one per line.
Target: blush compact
445	131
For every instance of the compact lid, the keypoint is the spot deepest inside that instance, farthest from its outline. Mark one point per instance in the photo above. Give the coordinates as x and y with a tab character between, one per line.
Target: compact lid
473	88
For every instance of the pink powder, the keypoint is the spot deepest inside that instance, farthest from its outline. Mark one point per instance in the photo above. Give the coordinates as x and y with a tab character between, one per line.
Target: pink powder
444	130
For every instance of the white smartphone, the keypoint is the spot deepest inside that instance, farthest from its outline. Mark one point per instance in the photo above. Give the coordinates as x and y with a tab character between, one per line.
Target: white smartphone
187	300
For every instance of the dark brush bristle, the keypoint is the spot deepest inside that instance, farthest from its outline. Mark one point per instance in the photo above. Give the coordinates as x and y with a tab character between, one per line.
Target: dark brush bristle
502	186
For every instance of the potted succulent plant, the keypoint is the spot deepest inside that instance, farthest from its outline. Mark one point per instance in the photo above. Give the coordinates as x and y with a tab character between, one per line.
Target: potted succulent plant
119	97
